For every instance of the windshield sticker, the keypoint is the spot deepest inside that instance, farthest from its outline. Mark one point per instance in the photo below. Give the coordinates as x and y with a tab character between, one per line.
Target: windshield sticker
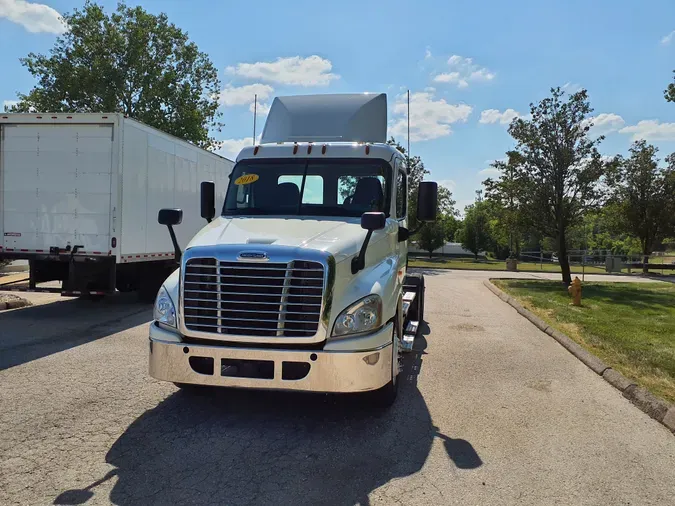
247	179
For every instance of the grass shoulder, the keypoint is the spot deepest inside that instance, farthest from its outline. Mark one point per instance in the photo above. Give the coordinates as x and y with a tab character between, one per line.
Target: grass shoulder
493	265
630	326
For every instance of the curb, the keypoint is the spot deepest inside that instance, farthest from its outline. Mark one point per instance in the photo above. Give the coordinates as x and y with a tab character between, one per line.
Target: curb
14	304
657	408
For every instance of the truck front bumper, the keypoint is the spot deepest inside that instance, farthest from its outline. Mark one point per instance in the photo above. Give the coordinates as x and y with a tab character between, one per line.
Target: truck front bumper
329	370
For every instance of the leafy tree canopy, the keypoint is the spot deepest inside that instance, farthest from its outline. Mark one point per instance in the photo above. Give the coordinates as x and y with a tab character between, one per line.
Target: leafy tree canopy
132	62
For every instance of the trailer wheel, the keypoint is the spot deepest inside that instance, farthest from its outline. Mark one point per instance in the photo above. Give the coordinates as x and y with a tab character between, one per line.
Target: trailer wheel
386	396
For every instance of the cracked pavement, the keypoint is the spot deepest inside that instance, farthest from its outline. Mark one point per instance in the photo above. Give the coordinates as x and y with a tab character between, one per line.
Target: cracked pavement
491	411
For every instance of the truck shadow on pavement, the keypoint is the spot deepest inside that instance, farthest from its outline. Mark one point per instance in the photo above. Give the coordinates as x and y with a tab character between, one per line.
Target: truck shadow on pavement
244	447
37	331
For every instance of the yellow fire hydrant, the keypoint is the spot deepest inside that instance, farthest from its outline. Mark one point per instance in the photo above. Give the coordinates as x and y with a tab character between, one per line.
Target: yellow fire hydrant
575	291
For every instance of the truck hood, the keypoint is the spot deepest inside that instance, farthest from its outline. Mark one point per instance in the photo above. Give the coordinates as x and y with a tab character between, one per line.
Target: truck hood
341	237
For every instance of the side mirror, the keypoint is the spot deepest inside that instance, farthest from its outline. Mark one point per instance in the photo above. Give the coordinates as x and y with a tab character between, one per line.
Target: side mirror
427	201
208	200
369	222
373	221
170	217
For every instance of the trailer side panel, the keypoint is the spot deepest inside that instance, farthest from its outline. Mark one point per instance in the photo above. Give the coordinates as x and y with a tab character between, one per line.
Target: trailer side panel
56	185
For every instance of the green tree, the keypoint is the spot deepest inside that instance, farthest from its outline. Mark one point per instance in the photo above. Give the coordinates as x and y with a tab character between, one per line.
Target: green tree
645	197
131	62
670	91
450	226
416	173
474	234
508	195
561	166
431	236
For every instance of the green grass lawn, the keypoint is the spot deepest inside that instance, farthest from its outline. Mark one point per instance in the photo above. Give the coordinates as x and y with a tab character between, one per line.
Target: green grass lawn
493	265
630	326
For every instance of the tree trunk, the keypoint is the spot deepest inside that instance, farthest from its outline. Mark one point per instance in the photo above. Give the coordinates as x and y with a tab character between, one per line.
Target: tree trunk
430	253
563	259
475	257
645	264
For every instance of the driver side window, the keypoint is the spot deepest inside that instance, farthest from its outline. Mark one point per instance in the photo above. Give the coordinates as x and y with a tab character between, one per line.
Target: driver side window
401	194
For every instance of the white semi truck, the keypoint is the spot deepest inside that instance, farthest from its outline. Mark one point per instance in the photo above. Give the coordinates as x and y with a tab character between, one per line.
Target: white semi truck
299	282
79	196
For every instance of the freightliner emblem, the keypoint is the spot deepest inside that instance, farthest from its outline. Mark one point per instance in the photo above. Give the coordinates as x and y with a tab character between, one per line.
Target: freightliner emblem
260	256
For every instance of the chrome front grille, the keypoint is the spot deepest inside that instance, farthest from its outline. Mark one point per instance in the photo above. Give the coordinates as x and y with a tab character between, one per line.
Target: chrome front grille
253	298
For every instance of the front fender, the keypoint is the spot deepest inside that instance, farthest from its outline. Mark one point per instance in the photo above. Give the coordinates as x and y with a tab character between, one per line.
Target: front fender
381	278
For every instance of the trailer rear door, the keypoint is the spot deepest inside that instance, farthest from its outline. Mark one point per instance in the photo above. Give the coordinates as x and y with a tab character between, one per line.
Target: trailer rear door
56	186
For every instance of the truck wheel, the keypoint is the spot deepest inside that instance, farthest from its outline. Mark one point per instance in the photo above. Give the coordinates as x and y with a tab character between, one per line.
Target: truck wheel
385	396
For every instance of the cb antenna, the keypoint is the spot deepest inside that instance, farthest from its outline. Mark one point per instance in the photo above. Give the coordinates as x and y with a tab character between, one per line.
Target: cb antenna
408	131
255	114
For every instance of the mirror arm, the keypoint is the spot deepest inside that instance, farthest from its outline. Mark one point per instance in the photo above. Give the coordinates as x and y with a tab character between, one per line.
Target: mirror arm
405	233
359	262
420	227
176	247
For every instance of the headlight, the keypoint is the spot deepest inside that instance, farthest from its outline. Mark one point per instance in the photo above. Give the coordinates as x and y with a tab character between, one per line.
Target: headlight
362	316
165	311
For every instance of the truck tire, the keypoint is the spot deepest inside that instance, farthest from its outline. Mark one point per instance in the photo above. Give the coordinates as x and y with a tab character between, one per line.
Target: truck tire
386	396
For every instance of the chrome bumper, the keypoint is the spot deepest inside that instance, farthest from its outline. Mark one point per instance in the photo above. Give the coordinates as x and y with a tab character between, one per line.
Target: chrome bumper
366	366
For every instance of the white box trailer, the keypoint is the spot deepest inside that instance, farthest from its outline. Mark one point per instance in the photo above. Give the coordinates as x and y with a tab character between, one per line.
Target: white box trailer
80	193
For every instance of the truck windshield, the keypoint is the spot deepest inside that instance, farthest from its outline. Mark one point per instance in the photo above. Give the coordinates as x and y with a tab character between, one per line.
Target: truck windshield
338	187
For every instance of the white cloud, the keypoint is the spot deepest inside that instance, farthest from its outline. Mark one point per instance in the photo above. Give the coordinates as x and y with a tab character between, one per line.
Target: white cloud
605	123
34	17
463	71
448	183
490	172
490	116
427	54
430	118
6	104
230	148
294	70
263	108
571	88
242	95
451	77
651	130
668	38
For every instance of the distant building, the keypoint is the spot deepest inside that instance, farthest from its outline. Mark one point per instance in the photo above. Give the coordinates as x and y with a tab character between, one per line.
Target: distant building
451	249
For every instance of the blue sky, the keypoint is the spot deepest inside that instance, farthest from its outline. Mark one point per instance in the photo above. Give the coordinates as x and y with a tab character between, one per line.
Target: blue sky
471	66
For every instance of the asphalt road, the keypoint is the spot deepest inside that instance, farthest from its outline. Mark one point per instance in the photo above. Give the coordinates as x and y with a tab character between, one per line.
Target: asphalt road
492	411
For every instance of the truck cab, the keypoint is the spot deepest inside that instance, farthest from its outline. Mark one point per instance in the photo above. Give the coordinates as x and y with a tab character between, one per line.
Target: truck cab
299	281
